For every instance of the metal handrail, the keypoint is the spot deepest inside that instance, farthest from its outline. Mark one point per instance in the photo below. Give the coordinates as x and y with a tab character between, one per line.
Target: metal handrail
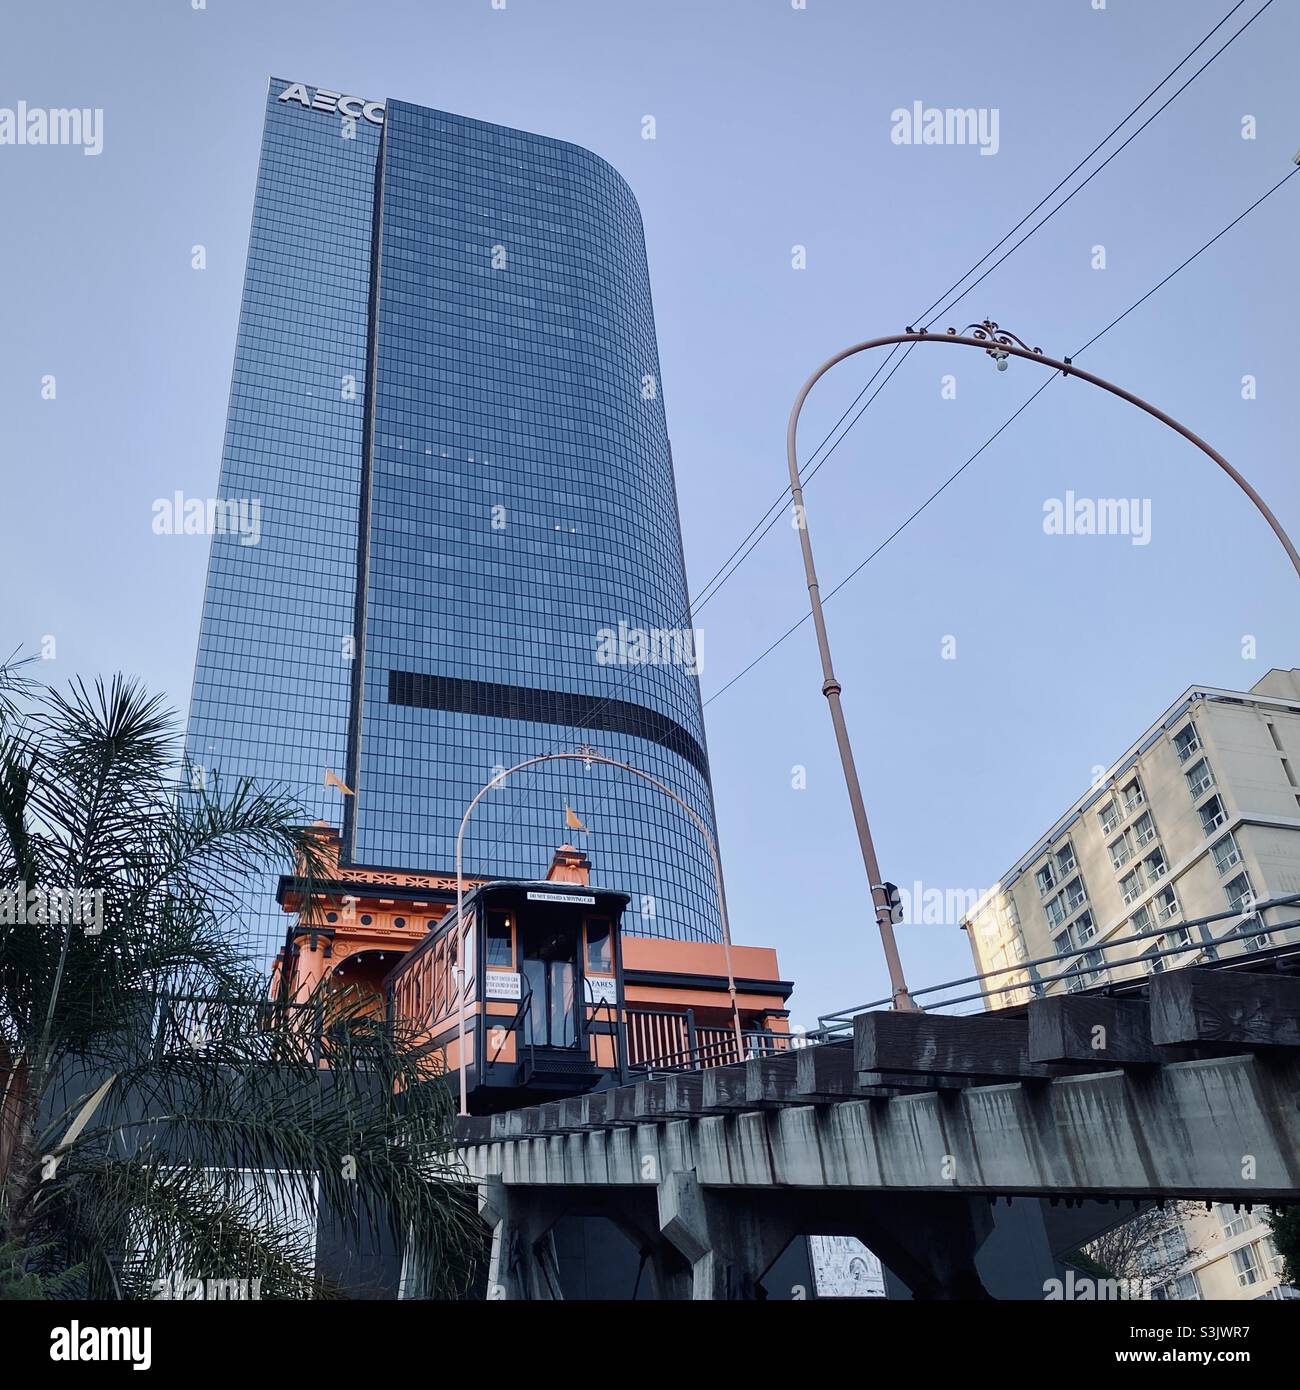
523	1010
609	1006
720	1053
840	1020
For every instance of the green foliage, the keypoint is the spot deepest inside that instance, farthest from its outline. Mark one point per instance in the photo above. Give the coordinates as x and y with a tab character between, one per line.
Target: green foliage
1085	1264
19	1281
1284	1225
159	1114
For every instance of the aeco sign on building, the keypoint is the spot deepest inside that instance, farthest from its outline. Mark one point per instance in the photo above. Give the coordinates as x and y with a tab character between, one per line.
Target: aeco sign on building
332	102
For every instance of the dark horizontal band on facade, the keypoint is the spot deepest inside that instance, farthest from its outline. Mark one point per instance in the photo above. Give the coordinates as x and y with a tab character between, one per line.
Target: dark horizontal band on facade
538	706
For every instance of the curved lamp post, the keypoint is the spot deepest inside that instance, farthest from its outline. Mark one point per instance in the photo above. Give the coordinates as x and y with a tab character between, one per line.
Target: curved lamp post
587	756
999	345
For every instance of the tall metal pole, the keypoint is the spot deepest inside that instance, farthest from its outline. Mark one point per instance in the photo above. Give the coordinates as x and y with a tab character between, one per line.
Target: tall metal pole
831	688
999	344
588	756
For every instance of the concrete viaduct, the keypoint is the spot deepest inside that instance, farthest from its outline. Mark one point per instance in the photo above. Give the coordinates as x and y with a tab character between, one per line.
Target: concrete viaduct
906	1135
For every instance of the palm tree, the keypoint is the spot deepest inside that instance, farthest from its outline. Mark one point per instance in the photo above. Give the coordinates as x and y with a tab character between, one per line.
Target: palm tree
160	1115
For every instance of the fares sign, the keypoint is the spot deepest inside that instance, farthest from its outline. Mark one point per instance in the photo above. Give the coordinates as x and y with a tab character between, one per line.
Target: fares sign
600	990
333	102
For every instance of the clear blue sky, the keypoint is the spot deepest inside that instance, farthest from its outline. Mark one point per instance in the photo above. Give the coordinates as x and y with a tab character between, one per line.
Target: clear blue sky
773	129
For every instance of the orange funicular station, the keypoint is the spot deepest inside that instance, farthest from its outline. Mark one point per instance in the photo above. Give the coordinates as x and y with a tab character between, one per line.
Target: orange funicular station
557	999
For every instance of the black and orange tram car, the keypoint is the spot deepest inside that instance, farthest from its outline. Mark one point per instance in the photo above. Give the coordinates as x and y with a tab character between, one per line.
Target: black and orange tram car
557	999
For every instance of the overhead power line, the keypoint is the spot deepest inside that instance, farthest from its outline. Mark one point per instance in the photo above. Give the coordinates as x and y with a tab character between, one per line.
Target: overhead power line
952	477
733	562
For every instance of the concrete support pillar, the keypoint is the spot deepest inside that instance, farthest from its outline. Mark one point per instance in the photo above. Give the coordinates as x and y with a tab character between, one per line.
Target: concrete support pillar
666	1276
929	1241
716	1243
523	1263
729	1239
732	1238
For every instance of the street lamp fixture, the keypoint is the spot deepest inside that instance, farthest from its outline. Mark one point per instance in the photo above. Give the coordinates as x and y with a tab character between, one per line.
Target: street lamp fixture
587	755
1000	345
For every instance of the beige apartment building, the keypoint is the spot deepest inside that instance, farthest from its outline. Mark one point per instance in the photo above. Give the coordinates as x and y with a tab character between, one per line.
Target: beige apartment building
1198	819
1231	1255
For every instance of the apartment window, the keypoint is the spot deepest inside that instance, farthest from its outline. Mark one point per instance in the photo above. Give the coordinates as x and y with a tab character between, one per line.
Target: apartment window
1121	850
1166	903
1239	893
1045	878
1212	815
1234	1220
1141	920
1062	944
1155	866
1174	939
1186	742
1174	1245
1108	815
1155	961
1084	928
1075	895
1133	796
1018	947
1144	828
1084	972
1065	860
1246	1265
1199	778
1185	1288
1226	853
1055	909
1130	887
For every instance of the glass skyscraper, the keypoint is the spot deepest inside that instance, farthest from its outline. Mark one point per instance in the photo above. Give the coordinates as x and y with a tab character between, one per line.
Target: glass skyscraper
446	401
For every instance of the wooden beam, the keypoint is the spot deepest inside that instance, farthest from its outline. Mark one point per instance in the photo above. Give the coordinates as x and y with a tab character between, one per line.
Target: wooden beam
725	1088
622	1105
936	1045
824	1074
579	1114
683	1093
1225	1008
771	1080
668	1097
473	1129
1093	1029
507	1124
893	1083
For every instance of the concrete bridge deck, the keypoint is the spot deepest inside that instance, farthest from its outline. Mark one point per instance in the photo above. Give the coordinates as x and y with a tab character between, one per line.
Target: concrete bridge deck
899	1134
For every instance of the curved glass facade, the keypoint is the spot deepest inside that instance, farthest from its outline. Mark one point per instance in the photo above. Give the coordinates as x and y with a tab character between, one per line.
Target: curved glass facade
491	515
